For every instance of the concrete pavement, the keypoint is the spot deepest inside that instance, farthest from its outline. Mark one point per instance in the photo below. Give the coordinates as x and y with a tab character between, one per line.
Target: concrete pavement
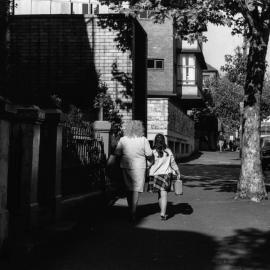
207	229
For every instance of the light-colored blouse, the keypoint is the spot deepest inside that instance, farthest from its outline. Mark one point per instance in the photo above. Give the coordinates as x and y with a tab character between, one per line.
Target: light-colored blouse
133	151
164	165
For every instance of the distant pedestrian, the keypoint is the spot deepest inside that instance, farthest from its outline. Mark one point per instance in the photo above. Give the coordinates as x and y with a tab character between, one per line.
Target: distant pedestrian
161	172
220	141
231	145
133	149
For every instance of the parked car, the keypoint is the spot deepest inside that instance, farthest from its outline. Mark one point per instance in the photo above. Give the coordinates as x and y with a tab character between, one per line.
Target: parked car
265	151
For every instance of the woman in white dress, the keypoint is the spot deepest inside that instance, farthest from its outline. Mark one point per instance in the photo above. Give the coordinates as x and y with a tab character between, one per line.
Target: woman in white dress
133	149
160	173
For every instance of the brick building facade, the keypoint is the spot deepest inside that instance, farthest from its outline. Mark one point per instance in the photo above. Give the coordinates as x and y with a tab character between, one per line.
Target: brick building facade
174	82
66	55
174	70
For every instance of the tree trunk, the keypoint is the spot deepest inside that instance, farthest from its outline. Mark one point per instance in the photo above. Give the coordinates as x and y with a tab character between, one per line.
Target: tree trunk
251	182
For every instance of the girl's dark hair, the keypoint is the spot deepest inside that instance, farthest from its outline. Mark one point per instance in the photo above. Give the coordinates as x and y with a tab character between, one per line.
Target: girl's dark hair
160	145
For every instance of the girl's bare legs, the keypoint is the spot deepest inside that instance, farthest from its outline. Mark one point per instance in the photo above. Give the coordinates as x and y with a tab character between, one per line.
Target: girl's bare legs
162	200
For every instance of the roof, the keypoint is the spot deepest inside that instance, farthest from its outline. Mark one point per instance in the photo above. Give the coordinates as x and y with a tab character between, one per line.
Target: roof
210	68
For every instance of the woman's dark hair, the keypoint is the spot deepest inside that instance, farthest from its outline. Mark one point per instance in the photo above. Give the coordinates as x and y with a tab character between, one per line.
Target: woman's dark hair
160	145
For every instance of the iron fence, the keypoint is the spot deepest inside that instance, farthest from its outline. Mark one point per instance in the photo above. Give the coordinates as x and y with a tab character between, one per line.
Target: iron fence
83	161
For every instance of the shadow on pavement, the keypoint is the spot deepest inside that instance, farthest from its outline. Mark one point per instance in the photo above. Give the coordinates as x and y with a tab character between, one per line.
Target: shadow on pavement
109	242
112	243
190	158
247	249
221	178
172	209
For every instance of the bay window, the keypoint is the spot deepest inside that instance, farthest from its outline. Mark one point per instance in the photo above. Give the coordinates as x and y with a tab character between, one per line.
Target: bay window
186	71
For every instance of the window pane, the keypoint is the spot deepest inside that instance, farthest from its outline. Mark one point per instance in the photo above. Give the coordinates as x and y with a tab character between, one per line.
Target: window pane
159	63
184	74
183	60
191	61
191	73
96	10
84	8
150	63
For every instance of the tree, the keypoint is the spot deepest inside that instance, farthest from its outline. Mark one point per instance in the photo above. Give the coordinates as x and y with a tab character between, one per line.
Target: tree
235	71
225	97
251	18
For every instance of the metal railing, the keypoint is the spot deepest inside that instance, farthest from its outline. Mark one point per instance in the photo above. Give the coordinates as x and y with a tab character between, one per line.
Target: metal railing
83	160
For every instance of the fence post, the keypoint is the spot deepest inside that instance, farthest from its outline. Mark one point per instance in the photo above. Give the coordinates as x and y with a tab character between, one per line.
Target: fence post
103	128
50	189
5	117
30	120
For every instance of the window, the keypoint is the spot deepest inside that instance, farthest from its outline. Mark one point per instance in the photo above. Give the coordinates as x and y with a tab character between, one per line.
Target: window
177	148
85	9
182	148
155	63
186	69
94	9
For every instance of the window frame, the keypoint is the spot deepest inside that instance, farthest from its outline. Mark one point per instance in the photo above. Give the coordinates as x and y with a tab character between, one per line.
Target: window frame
188	68
155	61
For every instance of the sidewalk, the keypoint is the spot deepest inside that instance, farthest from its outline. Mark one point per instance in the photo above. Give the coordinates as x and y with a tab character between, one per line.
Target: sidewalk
207	229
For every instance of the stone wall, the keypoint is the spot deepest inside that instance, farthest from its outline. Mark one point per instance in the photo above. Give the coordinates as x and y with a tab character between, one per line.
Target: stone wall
166	118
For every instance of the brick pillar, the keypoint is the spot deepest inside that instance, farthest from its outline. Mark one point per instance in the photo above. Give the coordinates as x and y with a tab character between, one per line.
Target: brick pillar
30	120
49	193
5	117
103	128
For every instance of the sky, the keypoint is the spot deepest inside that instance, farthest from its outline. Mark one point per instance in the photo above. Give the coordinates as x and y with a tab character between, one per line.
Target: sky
221	42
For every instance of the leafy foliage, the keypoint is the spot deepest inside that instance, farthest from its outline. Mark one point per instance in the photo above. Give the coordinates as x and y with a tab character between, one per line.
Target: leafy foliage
225	96
111	113
235	70
236	67
191	16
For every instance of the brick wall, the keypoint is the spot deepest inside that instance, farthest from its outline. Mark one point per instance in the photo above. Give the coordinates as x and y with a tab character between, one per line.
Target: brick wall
66	54
160	46
166	118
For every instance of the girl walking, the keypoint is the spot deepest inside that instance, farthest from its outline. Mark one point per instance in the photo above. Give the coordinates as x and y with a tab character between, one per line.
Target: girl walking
161	173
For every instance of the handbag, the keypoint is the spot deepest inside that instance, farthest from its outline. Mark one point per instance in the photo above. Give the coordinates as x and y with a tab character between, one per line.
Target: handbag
177	185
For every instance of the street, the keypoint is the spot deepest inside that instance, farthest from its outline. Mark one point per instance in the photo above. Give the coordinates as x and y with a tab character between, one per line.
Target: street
207	229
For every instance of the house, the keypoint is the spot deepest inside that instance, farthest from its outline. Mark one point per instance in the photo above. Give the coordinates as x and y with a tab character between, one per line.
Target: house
209	73
174	83
207	126
174	72
66	55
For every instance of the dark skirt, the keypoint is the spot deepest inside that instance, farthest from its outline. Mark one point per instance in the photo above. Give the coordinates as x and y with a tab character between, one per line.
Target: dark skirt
160	182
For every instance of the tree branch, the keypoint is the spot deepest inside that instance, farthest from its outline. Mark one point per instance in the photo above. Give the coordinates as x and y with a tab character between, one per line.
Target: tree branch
266	12
245	12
